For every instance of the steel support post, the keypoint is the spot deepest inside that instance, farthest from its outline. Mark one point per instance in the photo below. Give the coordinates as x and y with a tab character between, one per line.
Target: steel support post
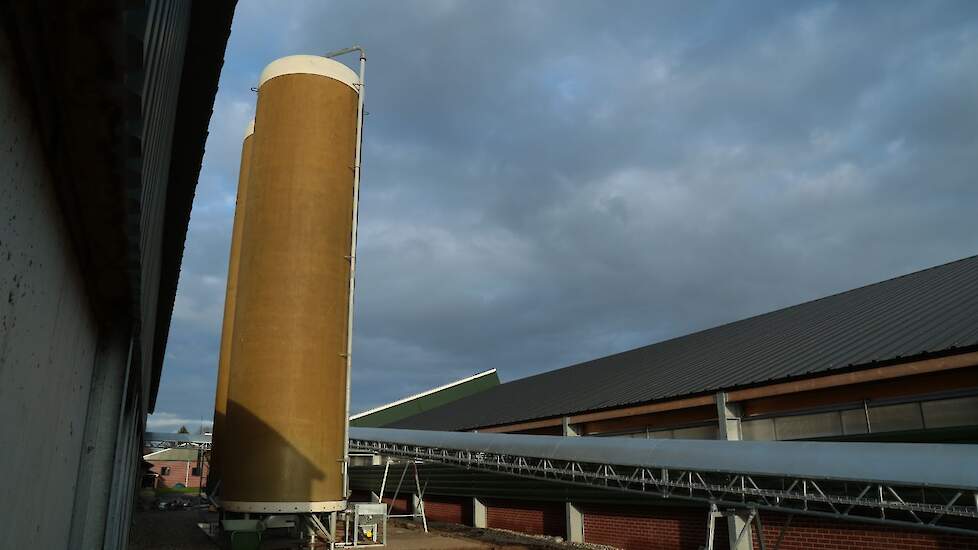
416	506
728	429
575	522
480	517
570	429
573	518
728	418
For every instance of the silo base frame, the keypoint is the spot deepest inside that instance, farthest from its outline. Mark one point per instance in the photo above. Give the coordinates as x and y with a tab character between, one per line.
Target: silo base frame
283	507
364	525
305	530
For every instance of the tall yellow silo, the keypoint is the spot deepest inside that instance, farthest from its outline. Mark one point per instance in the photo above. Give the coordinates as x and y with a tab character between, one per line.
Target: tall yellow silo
284	446
227	328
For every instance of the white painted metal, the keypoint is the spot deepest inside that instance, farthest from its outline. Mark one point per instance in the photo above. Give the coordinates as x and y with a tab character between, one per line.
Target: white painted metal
480	517
569	429
310	64
574	520
284	507
353	254
418	510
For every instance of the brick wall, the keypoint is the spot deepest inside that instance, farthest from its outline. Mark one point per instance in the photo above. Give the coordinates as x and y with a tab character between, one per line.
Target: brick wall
808	532
652	528
682	527
536	518
401	506
180	472
449	509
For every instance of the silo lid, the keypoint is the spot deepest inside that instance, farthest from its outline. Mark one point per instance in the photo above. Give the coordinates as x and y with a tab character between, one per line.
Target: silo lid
310	64
251	129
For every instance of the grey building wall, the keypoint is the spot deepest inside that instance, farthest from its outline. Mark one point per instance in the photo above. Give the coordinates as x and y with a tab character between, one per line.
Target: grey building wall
48	335
100	148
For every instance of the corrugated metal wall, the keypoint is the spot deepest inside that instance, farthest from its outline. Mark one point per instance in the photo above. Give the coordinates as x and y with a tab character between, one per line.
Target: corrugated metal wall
75	366
48	334
167	23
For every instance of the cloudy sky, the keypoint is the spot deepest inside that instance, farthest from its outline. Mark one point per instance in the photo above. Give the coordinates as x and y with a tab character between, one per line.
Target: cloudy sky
549	182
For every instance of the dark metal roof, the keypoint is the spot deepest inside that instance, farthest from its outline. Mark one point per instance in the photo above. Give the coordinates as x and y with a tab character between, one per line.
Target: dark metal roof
928	312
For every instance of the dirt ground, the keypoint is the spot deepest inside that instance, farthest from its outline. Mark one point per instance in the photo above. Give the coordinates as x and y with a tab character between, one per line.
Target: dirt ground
170	530
183	530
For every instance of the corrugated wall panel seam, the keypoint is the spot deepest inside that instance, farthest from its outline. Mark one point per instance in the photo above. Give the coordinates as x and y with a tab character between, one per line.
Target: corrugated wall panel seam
160	89
160	112
164	53
157	148
156	24
154	33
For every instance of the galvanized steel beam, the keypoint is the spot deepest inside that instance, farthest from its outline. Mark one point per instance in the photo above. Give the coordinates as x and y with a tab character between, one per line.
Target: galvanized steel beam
906	485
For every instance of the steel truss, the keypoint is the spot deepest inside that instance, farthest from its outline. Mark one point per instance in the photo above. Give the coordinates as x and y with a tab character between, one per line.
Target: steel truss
918	507
160	440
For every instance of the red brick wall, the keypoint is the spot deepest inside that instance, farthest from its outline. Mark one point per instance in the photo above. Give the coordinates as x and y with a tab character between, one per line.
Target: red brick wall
809	532
683	528
449	509
536	518
180	471
652	528
400	506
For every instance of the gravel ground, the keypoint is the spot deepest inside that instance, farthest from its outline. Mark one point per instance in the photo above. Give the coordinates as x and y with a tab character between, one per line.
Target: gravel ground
169	530
501	538
178	530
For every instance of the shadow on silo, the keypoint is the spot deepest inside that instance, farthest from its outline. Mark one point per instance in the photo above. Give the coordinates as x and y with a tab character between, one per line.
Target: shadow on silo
264	466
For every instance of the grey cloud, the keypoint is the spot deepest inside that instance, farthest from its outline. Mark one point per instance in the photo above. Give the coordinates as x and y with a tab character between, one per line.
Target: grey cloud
549	182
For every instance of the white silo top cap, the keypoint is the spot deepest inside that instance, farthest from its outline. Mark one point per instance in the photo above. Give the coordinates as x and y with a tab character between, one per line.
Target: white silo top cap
310	64
251	129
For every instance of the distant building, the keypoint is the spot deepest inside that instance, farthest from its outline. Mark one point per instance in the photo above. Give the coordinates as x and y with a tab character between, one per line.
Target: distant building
891	361
425	401
175	468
